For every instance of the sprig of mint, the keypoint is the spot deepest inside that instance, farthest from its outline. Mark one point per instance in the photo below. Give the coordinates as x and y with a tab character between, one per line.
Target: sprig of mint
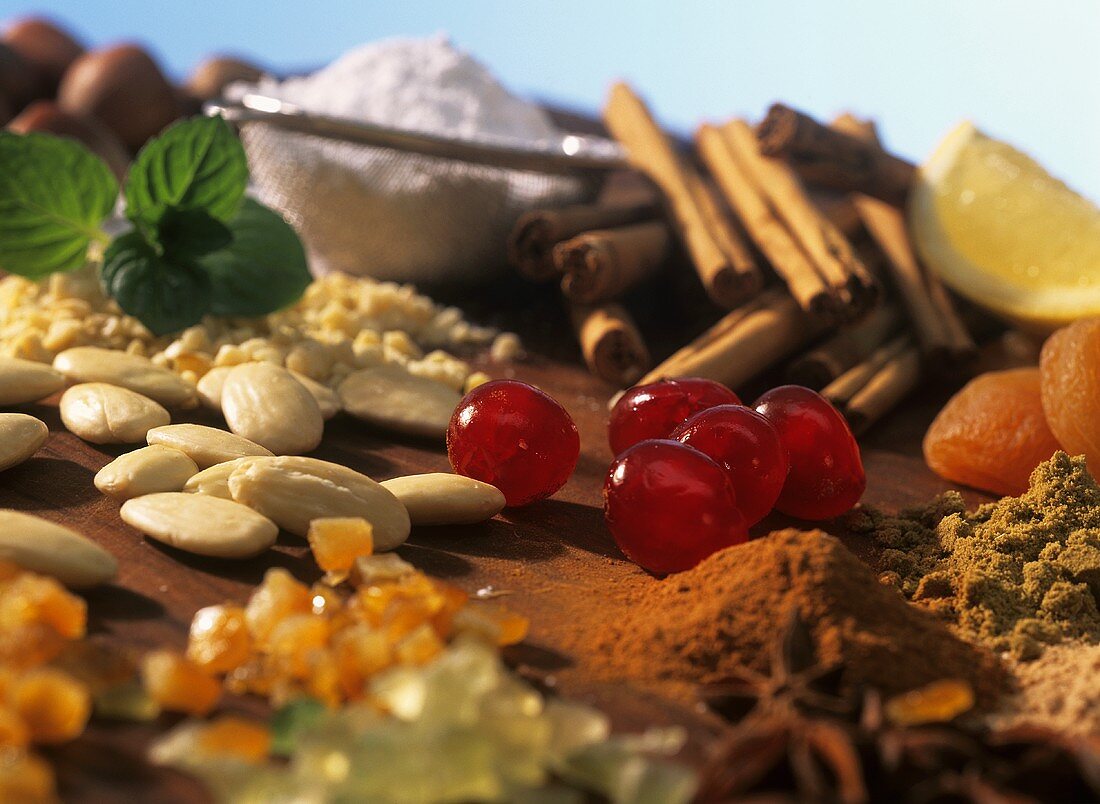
198	246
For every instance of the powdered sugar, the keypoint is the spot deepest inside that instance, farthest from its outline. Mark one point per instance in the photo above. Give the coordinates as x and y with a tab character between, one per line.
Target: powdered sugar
425	85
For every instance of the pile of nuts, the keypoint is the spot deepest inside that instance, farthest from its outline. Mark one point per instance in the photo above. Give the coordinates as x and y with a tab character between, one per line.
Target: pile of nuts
340	325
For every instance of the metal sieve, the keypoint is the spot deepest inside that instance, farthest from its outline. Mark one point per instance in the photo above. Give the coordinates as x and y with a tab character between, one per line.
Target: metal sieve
403	205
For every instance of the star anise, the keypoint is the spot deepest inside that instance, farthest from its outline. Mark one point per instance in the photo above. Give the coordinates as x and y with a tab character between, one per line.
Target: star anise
796	681
781	733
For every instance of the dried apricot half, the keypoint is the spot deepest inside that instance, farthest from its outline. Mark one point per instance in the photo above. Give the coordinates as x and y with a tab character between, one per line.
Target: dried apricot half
1069	367
992	433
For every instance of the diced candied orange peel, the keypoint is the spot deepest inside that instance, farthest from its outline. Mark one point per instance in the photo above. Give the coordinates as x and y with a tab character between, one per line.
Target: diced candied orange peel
237	737
337	542
219	640
178	684
53	705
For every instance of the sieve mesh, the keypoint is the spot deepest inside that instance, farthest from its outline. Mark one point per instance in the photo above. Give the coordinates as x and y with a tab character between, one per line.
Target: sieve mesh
395	214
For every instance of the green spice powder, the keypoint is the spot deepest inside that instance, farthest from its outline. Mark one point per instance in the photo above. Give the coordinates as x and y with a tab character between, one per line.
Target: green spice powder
1017	574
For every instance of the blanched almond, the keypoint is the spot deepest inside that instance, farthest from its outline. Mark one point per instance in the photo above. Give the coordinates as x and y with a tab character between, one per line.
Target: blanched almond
95	364
391	398
20	437
148	470
23	381
107	414
206	446
209	387
42	546
264	403
206	526
211	384
439	498
294	491
215	480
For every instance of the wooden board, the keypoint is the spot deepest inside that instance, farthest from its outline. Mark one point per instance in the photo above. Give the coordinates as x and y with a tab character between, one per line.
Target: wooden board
535	553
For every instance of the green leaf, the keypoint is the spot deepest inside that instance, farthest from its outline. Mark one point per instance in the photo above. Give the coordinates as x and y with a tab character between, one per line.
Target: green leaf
263	270
191	233
54	195
166	296
196	164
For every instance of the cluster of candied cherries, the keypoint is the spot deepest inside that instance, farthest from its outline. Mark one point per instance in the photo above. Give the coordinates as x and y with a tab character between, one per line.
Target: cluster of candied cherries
695	469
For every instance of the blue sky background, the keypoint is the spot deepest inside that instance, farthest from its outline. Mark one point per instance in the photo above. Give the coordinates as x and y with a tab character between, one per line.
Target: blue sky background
1025	71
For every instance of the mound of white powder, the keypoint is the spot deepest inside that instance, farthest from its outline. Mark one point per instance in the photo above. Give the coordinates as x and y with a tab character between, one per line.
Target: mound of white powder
424	85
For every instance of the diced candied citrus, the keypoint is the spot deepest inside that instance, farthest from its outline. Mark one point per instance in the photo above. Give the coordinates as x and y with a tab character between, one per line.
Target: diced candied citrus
54	706
494	623
380	568
236	737
452	599
992	433
937	702
325	600
30	598
219	639
254	676
26	778
1070	375
279	596
419	647
30	645
337	541
294	638
13	731
178	684
323	677
359	652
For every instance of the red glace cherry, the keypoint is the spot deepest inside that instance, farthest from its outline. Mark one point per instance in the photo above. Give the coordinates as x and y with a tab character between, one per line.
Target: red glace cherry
669	506
747	446
826	476
516	437
656	409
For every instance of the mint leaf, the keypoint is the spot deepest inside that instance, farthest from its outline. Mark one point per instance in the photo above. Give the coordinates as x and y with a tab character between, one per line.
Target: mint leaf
166	296
196	164
191	233
54	195
263	270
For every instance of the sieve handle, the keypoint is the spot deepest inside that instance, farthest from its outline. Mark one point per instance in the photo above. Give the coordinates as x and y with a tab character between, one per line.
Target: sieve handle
571	154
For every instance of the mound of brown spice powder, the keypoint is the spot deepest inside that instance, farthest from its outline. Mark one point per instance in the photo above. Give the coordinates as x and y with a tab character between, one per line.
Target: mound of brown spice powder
726	613
1017	574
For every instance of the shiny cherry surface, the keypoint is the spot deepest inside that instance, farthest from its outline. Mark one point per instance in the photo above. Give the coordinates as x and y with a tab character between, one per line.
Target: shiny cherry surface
516	437
669	506
656	409
826	477
747	446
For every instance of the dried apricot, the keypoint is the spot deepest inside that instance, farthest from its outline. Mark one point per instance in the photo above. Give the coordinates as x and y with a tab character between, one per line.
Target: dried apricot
992	433
1069	367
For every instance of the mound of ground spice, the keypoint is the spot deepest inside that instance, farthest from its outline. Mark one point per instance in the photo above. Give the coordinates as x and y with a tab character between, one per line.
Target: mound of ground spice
724	614
1017	574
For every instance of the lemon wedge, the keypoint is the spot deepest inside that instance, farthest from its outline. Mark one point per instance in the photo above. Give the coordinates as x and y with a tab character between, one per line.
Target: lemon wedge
1004	233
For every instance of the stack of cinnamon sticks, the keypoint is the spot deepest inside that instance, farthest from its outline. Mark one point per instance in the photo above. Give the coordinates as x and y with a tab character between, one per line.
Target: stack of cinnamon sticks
795	227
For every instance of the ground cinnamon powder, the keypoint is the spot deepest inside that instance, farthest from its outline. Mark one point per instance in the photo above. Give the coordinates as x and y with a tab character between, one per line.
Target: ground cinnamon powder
725	613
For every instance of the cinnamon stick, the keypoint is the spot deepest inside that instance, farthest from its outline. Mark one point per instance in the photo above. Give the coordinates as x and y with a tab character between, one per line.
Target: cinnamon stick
823	243
532	240
894	381
848	384
611	343
603	264
845	350
774	241
939	330
744	343
728	273
832	157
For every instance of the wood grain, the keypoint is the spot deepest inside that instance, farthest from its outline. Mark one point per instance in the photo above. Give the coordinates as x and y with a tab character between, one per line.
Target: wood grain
536	553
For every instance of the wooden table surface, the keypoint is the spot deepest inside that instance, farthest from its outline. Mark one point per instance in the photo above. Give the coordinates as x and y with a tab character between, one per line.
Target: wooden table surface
534	553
